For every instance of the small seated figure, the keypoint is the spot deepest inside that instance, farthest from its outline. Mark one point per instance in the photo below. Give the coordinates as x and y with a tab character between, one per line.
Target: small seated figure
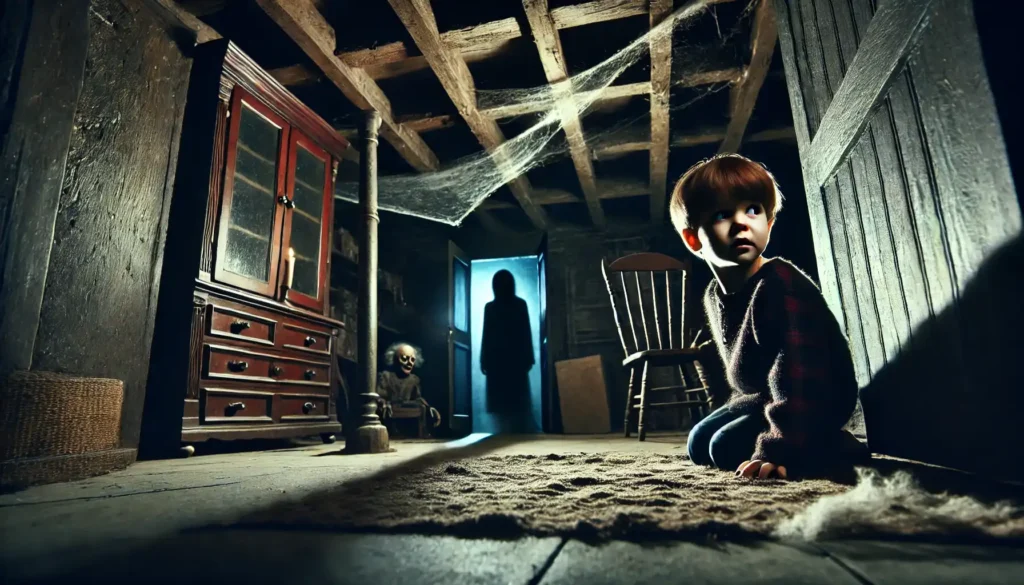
399	388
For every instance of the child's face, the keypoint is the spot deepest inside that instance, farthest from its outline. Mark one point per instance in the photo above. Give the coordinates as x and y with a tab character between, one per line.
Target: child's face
734	233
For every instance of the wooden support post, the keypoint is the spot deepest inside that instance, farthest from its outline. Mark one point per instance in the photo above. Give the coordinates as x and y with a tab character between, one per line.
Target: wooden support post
372	436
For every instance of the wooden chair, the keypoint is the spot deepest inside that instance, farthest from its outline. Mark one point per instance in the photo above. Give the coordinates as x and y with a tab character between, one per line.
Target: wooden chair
665	346
410	411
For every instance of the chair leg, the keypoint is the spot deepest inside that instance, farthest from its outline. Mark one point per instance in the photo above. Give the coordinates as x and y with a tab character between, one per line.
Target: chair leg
643	404
629	401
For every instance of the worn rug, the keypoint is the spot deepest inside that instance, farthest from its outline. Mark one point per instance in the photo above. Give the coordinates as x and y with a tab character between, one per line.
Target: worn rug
636	496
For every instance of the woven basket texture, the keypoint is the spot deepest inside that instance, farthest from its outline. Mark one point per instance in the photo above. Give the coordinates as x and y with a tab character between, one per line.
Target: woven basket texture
46	414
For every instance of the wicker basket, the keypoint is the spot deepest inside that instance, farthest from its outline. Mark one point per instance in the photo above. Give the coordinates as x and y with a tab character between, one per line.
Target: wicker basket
61	427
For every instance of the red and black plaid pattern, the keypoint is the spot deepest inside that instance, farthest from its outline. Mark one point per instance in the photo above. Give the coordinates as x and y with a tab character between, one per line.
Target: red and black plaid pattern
784	355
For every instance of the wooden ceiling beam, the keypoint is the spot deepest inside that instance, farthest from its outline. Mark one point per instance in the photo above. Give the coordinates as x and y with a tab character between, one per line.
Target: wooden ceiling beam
204	32
296	75
744	93
427	123
304	24
452	72
608	189
483	41
661	86
552	58
611	92
633	140
597	11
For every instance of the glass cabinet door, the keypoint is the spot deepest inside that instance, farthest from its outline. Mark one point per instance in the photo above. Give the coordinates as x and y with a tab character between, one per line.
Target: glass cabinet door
252	207
307	222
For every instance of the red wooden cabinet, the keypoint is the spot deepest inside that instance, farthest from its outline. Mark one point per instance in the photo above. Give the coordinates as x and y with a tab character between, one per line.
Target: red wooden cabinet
273	229
243	344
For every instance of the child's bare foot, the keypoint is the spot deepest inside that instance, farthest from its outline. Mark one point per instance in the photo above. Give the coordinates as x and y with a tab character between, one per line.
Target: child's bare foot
758	469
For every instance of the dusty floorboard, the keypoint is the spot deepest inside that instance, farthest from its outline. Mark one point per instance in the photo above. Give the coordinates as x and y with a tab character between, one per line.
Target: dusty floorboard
157	522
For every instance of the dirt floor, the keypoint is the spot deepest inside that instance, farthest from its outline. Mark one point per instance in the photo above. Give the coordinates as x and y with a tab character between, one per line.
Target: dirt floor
170	521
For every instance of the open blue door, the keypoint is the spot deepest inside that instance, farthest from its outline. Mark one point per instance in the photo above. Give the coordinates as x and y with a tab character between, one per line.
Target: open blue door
460	362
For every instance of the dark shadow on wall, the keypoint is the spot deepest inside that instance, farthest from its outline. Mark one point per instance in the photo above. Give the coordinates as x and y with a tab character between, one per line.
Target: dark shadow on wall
923	405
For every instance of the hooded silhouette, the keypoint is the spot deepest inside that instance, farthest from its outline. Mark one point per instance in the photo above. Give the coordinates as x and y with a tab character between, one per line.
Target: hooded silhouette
506	352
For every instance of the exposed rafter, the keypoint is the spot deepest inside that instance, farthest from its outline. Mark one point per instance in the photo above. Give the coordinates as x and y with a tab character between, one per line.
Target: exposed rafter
452	72
549	47
304	24
204	32
609	93
483	41
744	93
608	189
637	139
661	75
296	75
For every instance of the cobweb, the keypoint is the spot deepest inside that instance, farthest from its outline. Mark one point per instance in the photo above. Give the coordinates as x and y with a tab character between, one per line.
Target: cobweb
453	192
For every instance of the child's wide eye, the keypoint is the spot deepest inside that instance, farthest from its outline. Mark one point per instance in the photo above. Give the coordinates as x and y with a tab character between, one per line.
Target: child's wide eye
754	209
720	215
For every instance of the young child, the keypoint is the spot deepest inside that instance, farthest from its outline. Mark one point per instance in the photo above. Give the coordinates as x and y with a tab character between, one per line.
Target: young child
786	359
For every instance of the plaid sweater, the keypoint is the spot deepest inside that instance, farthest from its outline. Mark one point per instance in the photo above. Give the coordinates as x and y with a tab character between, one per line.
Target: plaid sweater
786	356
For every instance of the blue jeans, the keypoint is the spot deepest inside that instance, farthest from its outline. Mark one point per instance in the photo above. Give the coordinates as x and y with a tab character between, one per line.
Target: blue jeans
725	438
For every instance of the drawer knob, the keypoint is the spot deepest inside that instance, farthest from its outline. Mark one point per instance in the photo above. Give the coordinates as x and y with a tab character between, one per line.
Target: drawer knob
310	374
240	326
308	407
275	370
236	406
238	366
310	340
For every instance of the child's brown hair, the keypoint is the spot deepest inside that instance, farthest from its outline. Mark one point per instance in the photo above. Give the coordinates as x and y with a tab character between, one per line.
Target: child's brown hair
695	191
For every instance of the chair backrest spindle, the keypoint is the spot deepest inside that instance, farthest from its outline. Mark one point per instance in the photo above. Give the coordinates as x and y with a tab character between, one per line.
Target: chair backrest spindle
657	321
643	315
668	302
615	310
650	263
682	314
629	310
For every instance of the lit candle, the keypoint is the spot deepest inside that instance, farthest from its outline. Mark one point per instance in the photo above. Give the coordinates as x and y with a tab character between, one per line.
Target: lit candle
291	266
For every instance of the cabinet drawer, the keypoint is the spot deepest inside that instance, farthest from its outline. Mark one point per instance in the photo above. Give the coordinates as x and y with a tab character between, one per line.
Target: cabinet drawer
233	323
294	371
229	363
299	407
223	362
235	406
305	337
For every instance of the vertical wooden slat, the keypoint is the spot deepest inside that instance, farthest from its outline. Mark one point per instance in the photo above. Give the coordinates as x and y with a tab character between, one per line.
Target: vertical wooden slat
863	281
657	322
974	191
817	83
629	310
643	315
938	282
850	204
805	119
847	281
871	203
615	309
893	197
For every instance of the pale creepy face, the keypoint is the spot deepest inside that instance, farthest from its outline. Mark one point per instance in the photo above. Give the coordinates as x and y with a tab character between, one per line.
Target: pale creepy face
405	359
735	233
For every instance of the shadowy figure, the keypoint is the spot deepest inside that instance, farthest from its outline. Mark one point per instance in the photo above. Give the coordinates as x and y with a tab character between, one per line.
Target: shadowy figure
506	354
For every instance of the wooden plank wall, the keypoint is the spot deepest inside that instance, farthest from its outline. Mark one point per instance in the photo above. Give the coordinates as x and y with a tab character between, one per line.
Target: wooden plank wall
50	39
922	202
106	259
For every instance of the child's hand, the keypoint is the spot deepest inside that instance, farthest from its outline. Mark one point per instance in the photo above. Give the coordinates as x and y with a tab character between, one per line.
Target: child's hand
758	469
